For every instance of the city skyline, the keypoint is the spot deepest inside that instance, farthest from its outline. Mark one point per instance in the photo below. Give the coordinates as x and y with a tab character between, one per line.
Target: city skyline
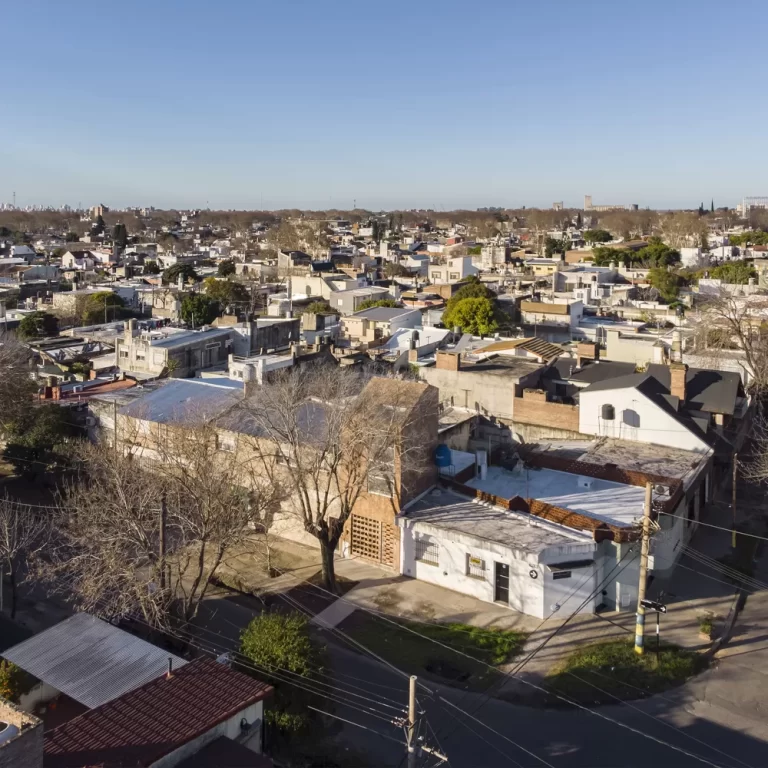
426	106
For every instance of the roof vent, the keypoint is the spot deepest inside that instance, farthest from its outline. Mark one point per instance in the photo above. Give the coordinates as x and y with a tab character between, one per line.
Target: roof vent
585	482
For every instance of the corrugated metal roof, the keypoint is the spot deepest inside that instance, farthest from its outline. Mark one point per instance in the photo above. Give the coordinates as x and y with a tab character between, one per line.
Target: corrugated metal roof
89	660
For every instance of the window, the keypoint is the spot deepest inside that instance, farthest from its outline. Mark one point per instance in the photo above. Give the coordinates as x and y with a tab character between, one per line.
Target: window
427	551
475	567
454	276
561	575
124	353
141	355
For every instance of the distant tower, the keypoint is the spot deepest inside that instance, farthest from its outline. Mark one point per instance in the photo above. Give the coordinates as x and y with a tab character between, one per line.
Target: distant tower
14	199
587	202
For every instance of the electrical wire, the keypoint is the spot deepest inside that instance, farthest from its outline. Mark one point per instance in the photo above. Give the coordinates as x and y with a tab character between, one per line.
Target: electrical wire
658	719
718	527
727	570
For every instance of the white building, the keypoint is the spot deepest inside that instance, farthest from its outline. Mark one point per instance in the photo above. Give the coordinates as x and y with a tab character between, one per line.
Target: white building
454	270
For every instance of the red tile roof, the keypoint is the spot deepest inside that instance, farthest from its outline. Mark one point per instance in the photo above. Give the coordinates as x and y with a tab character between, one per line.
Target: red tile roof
140	727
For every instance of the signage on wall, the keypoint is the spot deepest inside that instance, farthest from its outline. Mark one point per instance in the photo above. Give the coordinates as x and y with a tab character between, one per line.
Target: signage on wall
476	562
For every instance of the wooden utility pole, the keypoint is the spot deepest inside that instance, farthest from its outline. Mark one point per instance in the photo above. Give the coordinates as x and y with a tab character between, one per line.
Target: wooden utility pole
644	552
733	498
411	725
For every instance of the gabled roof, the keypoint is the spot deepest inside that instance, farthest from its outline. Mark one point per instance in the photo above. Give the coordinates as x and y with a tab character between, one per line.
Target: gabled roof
142	726
89	660
705	390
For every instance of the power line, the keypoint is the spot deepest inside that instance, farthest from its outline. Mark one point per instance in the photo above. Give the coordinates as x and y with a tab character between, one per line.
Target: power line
718	527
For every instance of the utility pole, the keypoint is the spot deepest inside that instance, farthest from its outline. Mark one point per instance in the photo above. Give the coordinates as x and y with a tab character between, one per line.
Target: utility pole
163	523
733	498
644	552
411	725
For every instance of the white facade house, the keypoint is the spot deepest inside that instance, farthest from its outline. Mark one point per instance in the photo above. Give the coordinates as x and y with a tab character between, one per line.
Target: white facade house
496	555
632	408
454	270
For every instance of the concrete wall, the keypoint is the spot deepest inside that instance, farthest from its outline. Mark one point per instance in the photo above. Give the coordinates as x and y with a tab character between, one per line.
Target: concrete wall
628	350
25	750
636	418
230	728
488	393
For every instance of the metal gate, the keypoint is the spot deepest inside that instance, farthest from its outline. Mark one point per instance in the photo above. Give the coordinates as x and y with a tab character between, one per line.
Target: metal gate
373	540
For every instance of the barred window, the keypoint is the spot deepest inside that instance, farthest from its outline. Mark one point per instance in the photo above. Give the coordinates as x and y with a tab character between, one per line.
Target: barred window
381	474
475	567
427	551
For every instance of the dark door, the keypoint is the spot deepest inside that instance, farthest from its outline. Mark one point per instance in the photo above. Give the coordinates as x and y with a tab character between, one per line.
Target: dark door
501	592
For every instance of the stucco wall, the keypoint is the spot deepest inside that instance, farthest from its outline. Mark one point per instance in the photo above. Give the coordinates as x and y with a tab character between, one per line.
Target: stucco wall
636	418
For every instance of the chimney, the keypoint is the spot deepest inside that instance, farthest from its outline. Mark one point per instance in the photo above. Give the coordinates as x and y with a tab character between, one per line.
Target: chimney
586	350
413	355
128	333
677	376
169	673
448	361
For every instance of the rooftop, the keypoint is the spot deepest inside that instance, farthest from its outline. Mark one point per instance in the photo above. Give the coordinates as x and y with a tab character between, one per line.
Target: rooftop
383	314
150	722
503	365
185	400
609	502
90	660
188	337
450	511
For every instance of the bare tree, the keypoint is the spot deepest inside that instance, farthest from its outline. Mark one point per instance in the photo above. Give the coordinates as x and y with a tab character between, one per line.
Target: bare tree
144	530
328	434
23	532
732	325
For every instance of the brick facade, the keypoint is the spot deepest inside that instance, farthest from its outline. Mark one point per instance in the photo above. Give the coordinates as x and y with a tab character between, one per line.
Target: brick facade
533	408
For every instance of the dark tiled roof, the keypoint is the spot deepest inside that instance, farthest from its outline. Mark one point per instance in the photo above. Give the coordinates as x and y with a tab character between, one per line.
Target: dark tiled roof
705	390
600	371
140	727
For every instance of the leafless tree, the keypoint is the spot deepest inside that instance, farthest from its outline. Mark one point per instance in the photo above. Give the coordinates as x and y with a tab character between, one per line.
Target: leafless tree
144	529
731	323
23	532
327	434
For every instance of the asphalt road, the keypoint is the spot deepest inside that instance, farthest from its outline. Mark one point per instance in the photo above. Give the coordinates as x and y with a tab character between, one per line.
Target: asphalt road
718	717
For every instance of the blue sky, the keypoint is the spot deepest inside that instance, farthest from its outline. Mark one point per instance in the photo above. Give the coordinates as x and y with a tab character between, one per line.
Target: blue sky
244	103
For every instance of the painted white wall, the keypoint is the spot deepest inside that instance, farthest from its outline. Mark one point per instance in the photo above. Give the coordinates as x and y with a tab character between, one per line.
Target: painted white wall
230	728
636	418
533	596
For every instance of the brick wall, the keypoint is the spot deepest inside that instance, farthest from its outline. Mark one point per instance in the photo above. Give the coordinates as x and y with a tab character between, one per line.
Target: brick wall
533	409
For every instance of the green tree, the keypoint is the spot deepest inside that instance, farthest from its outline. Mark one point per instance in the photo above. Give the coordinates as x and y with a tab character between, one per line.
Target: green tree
120	235
101	307
474	315
198	309
475	250
226	268
225	291
370	303
35	440
579	220
553	246
393	269
283	643
319	307
151	267
658	254
11	680
71	237
734	272
597	236
171	275
99	225
667	283
38	325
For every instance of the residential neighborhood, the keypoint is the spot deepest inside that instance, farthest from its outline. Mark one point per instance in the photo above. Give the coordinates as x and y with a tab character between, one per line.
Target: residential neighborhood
383	387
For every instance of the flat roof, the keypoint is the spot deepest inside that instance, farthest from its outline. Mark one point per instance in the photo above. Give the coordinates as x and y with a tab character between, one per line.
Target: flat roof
383	314
189	337
613	503
446	510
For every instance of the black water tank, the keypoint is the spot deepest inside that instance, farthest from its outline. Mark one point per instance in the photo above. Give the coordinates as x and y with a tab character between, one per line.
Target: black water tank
609	414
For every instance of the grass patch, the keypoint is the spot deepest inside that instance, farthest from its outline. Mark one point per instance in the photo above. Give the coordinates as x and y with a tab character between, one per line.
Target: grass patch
616	669
420	656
